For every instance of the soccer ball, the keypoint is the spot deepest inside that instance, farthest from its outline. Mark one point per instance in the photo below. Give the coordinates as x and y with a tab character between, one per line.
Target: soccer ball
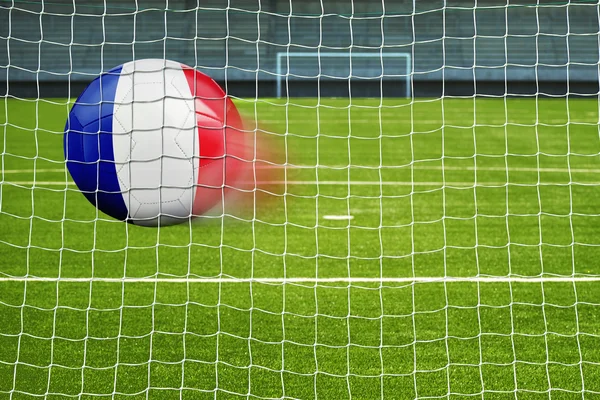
154	142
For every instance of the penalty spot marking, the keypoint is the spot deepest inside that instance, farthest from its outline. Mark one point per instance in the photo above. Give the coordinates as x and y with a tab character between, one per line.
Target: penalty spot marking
422	279
339	217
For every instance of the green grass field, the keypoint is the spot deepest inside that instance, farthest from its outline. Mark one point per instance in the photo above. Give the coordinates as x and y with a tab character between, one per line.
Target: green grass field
458	188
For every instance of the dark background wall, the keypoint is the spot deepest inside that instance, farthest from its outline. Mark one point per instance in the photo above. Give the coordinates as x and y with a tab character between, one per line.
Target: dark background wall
456	47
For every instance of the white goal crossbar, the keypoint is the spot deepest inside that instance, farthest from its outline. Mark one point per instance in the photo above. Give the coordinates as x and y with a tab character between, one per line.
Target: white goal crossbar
280	75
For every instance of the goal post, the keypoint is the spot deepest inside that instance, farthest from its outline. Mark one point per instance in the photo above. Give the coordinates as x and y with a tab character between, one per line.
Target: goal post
400	69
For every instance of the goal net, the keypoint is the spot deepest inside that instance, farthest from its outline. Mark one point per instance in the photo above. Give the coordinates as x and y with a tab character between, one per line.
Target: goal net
432	231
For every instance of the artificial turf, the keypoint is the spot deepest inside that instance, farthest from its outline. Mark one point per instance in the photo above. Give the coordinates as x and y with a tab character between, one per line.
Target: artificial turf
437	188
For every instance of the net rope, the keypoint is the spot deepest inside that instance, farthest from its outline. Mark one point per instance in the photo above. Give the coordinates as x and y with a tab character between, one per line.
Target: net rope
439	244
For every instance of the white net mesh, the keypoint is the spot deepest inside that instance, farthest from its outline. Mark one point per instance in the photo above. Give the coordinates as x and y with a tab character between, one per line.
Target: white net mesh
444	244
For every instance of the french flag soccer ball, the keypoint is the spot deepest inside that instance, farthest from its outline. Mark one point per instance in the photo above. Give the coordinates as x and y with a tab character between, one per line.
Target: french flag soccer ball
154	142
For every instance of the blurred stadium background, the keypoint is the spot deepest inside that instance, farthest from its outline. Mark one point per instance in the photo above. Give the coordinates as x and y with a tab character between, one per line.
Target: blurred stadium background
472	47
444	244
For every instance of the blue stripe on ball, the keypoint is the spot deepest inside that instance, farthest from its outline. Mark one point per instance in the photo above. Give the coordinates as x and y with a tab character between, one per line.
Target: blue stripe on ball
88	146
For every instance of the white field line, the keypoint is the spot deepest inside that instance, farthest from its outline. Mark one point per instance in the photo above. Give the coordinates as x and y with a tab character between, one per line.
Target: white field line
423	167
551	122
515	169
38	183
432	279
407	183
439	168
329	183
384	183
306	183
29	171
